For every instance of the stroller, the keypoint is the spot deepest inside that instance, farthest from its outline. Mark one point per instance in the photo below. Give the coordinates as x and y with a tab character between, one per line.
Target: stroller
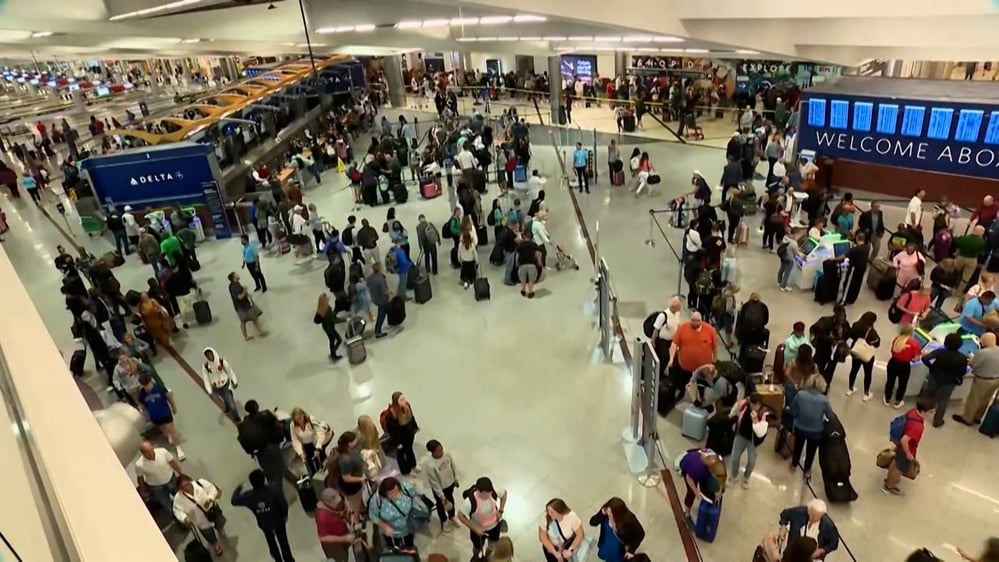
563	260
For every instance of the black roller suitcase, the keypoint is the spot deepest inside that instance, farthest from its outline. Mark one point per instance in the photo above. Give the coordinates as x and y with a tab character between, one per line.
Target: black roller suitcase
77	362
396	311
307	494
202	311
481	288
423	292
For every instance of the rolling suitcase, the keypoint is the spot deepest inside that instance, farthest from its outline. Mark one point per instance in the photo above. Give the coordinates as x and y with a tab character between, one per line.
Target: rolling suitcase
695	423
356	352
708	517
881	279
742	233
481	289
202	311
990	421
307	494
422	291
752	358
429	188
617	178
396	311
400	193
77	361
283	246
482	233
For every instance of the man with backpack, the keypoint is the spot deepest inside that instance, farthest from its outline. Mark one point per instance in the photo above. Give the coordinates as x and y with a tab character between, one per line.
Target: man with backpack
260	435
906	431
660	327
428	239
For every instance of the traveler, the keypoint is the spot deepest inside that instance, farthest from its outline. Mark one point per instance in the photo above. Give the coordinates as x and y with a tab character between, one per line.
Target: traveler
469	258
645	170
271	511
428	239
907	446
539	233
369	446
694	345
811	521
196	504
346	471
367	239
865	340
809	410
398	511
621	534
904	350
793	343
400	236
158	405
560	532
172	248
326	317
246	310
991	551
973	314
613	157
149	249
400	424
251	262
710	390
967	248
752	322
947	369
913	304
946	280
914	210
773	221
985	368
538	205
986	282
335	536
316	226
858	256
580	161
360	298
509	240
180	286
131	226
704	475
156	472
529	264
442	475
309	438
261	435
503	549
664	329
31	186
482	512
909	266
380	296
828	336
156	319
872	224
750	430
220	380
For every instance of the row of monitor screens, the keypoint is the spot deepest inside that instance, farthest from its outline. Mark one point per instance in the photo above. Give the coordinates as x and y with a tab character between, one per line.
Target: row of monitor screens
885	120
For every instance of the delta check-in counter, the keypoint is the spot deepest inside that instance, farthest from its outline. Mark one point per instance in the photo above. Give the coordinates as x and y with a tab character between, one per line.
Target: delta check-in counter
891	135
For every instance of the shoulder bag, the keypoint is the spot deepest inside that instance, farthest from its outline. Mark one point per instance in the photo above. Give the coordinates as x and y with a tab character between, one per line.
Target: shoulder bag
862	350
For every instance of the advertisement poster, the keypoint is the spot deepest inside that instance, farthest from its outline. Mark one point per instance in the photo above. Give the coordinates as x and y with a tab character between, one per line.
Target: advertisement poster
582	67
158	175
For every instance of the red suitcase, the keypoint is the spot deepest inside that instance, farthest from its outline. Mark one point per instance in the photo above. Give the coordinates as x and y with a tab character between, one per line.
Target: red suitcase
429	189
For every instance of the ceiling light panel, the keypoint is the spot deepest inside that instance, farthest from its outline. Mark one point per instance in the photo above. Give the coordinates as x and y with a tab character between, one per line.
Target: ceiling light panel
436	23
365	27
506	38
495	20
155	9
581	38
525	18
607	39
555	38
39	34
637	39
465	21
530	39
409	25
667	39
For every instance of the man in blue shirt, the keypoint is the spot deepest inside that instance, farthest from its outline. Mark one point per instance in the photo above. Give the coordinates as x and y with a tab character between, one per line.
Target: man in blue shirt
580	158
974	310
251	262
158	404
402	269
380	296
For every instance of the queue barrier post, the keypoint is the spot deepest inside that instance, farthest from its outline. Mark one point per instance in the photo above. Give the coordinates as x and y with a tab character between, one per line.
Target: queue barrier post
641	438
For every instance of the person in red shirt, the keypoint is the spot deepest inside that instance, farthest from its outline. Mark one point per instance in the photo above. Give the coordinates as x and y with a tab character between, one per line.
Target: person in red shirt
905	449
914	303
695	344
904	350
335	536
985	213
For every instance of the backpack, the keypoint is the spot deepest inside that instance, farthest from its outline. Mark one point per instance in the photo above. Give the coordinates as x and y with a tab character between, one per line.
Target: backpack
834	218
384	417
737	206
101	312
782	250
704	285
897	428
733	373
718	305
391	262
473	503
649	326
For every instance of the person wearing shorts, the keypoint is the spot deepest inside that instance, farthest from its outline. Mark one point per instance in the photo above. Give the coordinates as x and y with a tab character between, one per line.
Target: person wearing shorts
528	260
905	448
157	402
246	310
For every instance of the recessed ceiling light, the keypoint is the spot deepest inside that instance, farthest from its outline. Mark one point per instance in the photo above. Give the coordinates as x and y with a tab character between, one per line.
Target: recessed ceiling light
695	50
193	40
436	23
506	38
637	39
365	27
38	34
409	25
464	21
487	39
529	18
581	38
467	39
667	39
530	39
647	50
343	29
555	38
493	20
607	39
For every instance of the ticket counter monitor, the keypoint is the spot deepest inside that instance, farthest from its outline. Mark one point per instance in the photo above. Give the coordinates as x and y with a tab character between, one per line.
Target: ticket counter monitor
813	253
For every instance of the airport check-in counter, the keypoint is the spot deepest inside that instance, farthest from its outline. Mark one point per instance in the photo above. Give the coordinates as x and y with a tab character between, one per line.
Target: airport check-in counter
808	264
933	340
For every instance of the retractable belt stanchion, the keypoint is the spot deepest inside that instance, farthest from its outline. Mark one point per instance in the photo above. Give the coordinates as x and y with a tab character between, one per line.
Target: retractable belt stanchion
641	436
651	241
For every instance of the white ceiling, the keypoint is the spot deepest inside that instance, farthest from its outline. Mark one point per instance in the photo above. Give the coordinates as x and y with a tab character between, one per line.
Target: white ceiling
845	32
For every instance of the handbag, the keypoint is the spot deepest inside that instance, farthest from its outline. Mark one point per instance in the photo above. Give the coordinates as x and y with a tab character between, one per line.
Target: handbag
895	312
885	458
863	350
255	310
654	179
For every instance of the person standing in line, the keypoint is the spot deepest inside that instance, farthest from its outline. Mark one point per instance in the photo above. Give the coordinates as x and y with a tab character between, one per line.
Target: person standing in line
428	239
271	511
380	296
335	536
907	447
220	380
367	239
467	163
750	430
621	534
326	317
947	367
482	512
396	508
180	286
904	350
561	531
196	503
251	263
809	410
402	267
508	240
247	311
827	333
309	438
985	367
442	475
909	266
260	435
31	186
469	257
863	329
149	248
695	344
872	224
157	471
400	424
663	329
580	160
793	343
914	210
529	264
158	404
131	226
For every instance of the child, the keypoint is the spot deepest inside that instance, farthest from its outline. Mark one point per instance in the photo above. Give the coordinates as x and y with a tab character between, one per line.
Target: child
514	214
442	475
729	267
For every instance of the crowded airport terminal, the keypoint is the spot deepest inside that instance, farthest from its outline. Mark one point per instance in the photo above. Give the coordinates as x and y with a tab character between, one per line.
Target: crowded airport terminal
392	281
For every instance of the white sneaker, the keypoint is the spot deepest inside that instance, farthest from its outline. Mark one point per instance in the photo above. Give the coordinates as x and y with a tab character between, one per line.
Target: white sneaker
887	403
867	397
899	404
745	484
180	454
849	392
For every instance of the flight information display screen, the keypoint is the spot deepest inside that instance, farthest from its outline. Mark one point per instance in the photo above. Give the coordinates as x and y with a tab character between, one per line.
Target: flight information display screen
839	114
817	112
887	118
969	124
940	120
863	115
912	120
992	132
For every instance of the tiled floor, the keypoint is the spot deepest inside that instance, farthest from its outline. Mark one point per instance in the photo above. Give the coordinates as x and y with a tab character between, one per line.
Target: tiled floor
510	386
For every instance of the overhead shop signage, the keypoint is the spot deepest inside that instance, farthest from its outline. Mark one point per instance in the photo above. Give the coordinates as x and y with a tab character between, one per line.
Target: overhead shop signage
767	67
946	137
655	62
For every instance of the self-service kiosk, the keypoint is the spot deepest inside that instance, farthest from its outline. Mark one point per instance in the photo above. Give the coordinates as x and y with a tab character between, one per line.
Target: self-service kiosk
808	263
931	341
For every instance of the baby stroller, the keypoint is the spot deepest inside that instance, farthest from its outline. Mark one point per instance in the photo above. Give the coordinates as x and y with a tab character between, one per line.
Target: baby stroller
563	260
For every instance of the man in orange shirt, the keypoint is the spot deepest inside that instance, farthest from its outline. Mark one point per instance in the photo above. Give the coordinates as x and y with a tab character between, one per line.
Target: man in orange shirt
695	344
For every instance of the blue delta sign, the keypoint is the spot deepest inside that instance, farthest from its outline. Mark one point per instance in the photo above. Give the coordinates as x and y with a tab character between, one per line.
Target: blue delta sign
946	137
152	176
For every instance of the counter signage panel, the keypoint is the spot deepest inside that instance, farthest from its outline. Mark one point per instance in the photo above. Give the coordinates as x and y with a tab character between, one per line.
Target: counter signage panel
946	137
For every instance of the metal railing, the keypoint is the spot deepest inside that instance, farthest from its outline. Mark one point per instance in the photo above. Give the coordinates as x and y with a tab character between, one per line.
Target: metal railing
655	225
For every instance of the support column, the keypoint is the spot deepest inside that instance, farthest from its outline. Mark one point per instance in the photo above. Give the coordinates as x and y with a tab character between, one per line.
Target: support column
893	68
555	90
620	64
396	84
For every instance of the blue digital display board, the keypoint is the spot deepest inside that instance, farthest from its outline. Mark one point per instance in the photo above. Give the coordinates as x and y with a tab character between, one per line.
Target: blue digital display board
940	120
887	118
817	112
863	115
912	120
992	131
155	175
839	114
969	123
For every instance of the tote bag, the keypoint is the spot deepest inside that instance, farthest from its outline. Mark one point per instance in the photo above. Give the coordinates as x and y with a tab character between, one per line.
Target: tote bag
862	350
